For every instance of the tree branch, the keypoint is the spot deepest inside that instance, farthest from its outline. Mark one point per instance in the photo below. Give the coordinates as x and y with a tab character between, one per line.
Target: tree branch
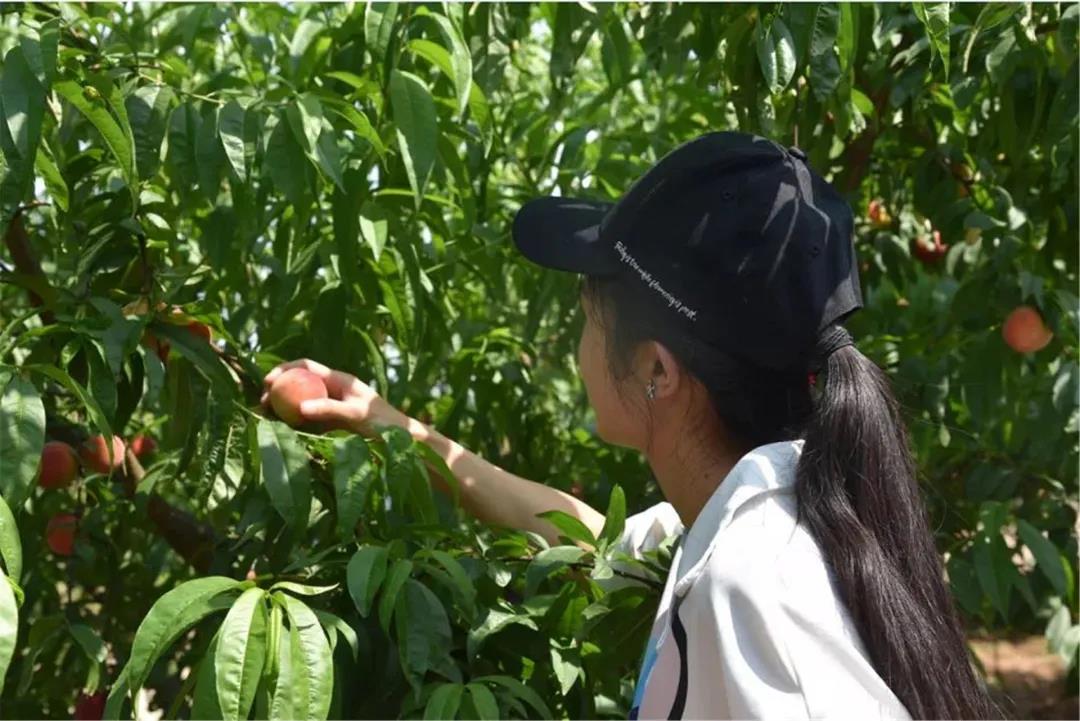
26	262
193	540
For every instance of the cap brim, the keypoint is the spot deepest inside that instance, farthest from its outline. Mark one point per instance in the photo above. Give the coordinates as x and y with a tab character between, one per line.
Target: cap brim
564	234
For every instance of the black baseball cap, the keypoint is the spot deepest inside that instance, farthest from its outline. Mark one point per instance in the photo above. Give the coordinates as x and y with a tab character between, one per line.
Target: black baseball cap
735	236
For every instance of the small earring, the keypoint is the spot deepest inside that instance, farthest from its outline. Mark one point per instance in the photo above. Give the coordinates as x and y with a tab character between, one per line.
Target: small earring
650	390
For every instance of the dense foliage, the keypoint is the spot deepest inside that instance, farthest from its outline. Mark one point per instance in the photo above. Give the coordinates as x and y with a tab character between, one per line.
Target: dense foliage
336	182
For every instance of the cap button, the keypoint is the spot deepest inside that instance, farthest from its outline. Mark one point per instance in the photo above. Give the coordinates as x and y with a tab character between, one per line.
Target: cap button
798	153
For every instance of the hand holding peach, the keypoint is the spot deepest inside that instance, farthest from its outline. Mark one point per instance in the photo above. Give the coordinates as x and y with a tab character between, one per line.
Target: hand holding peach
346	402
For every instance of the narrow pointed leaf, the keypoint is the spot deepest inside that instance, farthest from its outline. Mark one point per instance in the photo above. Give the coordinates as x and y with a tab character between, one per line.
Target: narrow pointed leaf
9	627
285	472
312	659
354	471
364	575
22	436
171	615
417	129
241	653
10	545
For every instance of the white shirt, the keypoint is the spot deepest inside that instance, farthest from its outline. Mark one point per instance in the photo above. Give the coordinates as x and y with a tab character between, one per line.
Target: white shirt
759	629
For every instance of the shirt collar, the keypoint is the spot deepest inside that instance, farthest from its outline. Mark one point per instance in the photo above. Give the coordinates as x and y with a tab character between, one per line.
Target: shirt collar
763	469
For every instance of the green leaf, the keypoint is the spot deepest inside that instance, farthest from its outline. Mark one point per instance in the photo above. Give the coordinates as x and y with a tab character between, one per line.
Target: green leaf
148	110
92	409
354	471
114	704
95	649
483	701
991	15
302	588
302	38
335	623
44	632
521	691
283	464
241	653
548	561
23	98
210	155
378	29
101	380
824	60
494	621
566	662
364	574
416	128
423	631
231	128
569	526
22	437
615	518
94	108
1065	107
935	18
993	579
10	545
22	101
615	50
361	125
202	354
9	627
313	665
1046	554
54	181
328	157
205	703
784	50
373	227
290	689
305	120
39	49
463	586
444	701
395	579
171	615
287	164
460	58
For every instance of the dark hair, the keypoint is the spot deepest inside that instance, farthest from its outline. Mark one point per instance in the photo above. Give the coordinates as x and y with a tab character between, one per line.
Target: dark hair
856	492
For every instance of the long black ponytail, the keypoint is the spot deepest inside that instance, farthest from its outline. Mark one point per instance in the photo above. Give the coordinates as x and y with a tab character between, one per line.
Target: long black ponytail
857	494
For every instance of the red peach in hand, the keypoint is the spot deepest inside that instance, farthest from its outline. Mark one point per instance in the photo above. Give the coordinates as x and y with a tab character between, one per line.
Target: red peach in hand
1025	331
95	454
59	465
292	388
60	533
351	404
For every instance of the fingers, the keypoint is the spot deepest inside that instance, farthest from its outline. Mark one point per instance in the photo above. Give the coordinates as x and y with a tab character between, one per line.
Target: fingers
335	413
338	384
317	368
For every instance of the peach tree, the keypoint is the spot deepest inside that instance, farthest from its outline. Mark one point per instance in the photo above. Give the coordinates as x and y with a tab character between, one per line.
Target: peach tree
191	194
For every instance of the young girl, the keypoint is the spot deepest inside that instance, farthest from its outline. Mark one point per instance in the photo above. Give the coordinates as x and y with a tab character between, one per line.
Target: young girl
805	582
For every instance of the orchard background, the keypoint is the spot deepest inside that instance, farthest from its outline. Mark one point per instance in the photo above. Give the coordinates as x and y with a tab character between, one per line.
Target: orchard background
191	194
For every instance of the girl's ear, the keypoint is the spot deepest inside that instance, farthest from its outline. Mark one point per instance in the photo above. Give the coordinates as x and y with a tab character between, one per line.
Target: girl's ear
665	370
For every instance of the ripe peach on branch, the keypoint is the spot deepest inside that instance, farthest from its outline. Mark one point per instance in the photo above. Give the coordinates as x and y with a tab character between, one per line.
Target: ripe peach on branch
60	533
59	465
94	453
1024	330
929	251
